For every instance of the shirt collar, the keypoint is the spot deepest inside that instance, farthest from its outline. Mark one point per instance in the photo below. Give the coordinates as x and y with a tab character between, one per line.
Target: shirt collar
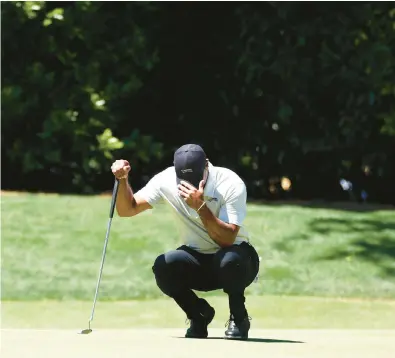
211	181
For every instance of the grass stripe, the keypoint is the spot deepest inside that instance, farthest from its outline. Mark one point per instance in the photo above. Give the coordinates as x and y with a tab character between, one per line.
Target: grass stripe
268	312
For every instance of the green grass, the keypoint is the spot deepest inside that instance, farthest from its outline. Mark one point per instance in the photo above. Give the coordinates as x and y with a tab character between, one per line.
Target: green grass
268	312
52	246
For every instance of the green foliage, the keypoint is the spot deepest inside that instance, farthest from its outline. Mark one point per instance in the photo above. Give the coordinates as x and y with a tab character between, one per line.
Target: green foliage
58	96
326	76
272	89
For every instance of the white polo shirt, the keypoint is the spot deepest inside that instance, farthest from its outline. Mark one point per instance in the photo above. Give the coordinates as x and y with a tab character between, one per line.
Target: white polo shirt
225	195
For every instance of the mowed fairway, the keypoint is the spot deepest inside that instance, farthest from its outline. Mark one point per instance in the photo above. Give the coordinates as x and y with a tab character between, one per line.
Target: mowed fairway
274	312
52	246
326	286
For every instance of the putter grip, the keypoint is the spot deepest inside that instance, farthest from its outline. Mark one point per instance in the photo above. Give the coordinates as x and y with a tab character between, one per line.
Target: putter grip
114	197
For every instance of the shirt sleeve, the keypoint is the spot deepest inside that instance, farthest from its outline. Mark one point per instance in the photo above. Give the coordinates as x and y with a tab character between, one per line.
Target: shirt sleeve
234	209
151	192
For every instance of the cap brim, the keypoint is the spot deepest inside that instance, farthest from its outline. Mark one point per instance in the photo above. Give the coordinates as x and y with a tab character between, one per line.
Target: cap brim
191	179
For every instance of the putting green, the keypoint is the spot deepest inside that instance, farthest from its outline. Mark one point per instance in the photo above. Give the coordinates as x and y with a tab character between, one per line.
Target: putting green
169	343
267	312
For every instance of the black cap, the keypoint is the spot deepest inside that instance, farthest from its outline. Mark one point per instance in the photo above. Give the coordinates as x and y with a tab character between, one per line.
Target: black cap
189	163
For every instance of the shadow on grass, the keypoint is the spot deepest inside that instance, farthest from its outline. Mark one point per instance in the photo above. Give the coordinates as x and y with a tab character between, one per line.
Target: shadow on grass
256	340
341	206
357	226
371	241
367	240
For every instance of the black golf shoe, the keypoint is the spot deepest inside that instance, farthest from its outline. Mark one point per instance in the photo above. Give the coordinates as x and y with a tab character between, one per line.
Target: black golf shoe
238	330
198	328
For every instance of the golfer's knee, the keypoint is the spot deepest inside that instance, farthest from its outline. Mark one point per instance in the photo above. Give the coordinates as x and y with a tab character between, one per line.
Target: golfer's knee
160	266
231	272
160	270
164	265
230	262
167	273
159	263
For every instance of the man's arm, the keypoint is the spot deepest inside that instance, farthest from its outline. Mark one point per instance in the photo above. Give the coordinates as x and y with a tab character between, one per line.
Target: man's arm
222	233
128	204
224	229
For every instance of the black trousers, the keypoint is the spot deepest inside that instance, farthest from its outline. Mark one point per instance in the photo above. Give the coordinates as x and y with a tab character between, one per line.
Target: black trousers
232	269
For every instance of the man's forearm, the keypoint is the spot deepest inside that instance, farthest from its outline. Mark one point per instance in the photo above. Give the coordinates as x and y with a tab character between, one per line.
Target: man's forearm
125	203
222	233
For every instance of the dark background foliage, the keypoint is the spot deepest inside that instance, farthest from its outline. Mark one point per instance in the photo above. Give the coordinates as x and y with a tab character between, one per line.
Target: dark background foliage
295	89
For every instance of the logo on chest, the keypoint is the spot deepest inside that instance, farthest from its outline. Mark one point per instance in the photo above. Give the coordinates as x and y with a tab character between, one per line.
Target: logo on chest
210	199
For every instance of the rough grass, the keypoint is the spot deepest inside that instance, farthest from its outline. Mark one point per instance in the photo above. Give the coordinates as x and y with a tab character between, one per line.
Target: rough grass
52	246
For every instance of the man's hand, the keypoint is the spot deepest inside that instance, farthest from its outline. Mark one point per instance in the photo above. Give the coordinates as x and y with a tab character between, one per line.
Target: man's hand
222	233
120	169
192	196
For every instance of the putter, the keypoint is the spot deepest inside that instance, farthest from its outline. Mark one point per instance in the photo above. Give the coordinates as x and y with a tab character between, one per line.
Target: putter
113	200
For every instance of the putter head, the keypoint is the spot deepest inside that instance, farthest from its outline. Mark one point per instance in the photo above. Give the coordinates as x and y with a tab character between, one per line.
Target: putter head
86	331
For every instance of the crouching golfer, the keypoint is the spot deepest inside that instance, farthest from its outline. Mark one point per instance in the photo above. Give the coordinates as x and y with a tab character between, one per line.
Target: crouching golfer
210	205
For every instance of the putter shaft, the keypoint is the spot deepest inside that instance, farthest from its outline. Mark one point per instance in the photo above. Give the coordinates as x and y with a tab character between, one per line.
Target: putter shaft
113	200
101	270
